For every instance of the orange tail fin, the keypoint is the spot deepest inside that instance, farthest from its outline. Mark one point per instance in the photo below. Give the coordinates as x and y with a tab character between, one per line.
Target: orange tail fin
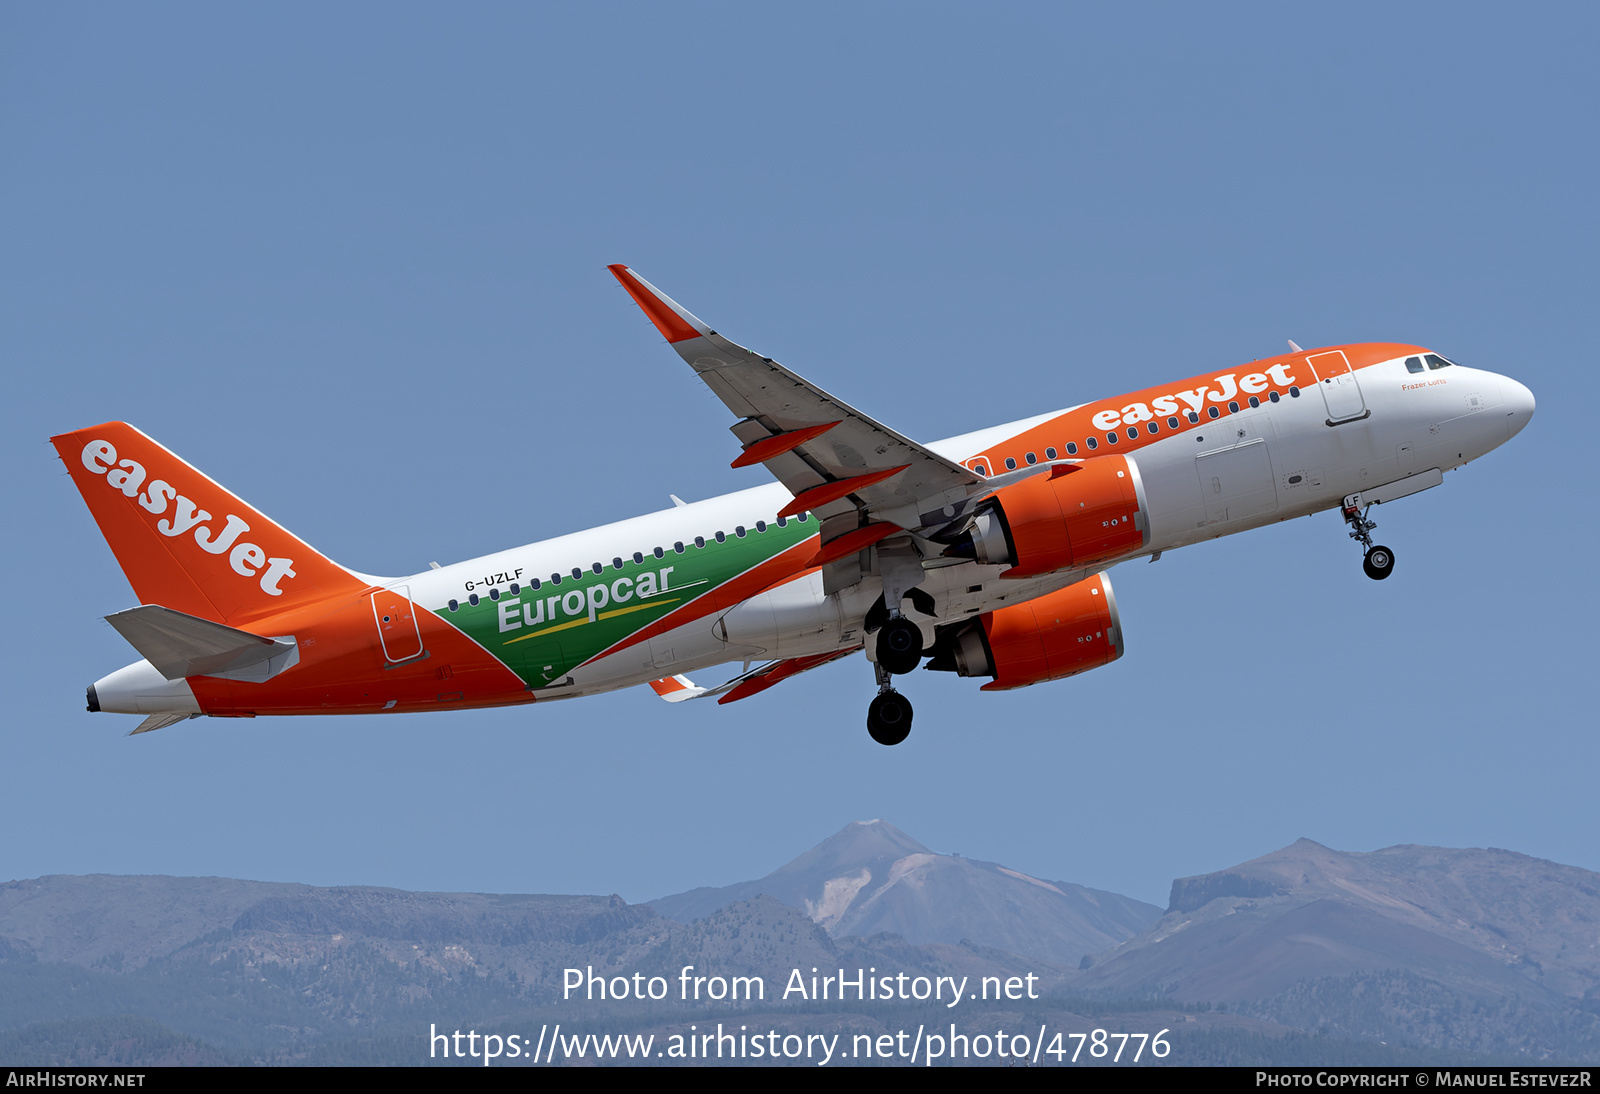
184	541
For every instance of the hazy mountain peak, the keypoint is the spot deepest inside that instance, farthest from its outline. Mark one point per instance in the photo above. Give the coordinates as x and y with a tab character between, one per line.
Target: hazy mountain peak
856	845
870	878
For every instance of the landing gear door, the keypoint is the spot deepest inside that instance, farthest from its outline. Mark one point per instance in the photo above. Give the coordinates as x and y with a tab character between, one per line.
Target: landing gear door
392	611
1341	392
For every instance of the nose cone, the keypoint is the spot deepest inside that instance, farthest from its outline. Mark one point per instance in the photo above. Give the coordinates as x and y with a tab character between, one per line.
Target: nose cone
1519	405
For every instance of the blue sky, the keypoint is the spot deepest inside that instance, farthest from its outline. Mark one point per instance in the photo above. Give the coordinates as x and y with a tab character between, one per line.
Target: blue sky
351	263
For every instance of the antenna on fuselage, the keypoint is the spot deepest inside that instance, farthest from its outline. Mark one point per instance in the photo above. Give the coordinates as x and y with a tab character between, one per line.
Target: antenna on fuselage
1294	347
679	502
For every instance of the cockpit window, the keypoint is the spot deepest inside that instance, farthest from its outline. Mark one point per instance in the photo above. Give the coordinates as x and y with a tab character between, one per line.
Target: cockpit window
1413	364
1435	361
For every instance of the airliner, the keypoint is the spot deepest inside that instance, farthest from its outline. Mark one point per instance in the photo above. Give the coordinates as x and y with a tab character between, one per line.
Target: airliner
986	555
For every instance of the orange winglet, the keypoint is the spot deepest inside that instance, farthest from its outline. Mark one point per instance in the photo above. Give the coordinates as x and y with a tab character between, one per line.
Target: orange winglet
832	491
763	450
779	672
673	327
851	542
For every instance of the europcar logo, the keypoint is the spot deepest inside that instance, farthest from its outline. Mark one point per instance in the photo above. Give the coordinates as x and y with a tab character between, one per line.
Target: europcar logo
180	516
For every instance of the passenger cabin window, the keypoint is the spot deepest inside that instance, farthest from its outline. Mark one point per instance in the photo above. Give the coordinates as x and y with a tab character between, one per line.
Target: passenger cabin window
1133	433
1111	438
1153	427
1273	395
1072	448
1031	458
1049	453
1172	423
1011	464
1213	411
1092	443
1413	364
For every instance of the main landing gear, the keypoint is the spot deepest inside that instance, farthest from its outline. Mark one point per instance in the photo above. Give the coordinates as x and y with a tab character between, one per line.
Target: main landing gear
899	650
1379	560
889	716
899	641
899	646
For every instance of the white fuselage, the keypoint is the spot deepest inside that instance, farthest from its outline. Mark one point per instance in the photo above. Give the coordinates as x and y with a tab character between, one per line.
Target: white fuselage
1245	470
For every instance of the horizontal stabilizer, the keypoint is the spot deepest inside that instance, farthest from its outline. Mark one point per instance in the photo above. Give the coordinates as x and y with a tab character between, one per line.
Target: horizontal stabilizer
180	645
161	721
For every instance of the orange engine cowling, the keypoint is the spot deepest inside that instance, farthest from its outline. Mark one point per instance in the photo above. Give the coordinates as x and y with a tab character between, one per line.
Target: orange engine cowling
1076	515
1070	631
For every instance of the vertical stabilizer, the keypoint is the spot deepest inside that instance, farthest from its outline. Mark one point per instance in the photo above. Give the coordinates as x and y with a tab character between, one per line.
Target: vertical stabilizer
185	542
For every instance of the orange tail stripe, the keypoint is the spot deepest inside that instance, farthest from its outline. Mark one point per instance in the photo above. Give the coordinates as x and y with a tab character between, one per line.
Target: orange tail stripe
833	491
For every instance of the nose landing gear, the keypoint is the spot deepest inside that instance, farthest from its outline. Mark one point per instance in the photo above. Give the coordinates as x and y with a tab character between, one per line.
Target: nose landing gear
1378	563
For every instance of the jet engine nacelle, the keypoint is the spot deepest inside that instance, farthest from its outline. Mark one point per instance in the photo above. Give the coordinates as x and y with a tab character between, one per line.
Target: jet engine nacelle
1076	515
1070	631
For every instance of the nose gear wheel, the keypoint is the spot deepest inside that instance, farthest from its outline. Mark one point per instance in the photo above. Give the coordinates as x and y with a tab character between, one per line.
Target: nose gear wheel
1378	563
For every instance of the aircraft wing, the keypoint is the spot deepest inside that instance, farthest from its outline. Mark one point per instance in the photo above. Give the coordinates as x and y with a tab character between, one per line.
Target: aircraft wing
677	689
835	460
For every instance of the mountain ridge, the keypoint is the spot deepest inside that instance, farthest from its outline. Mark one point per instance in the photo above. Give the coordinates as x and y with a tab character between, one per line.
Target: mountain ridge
870	878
